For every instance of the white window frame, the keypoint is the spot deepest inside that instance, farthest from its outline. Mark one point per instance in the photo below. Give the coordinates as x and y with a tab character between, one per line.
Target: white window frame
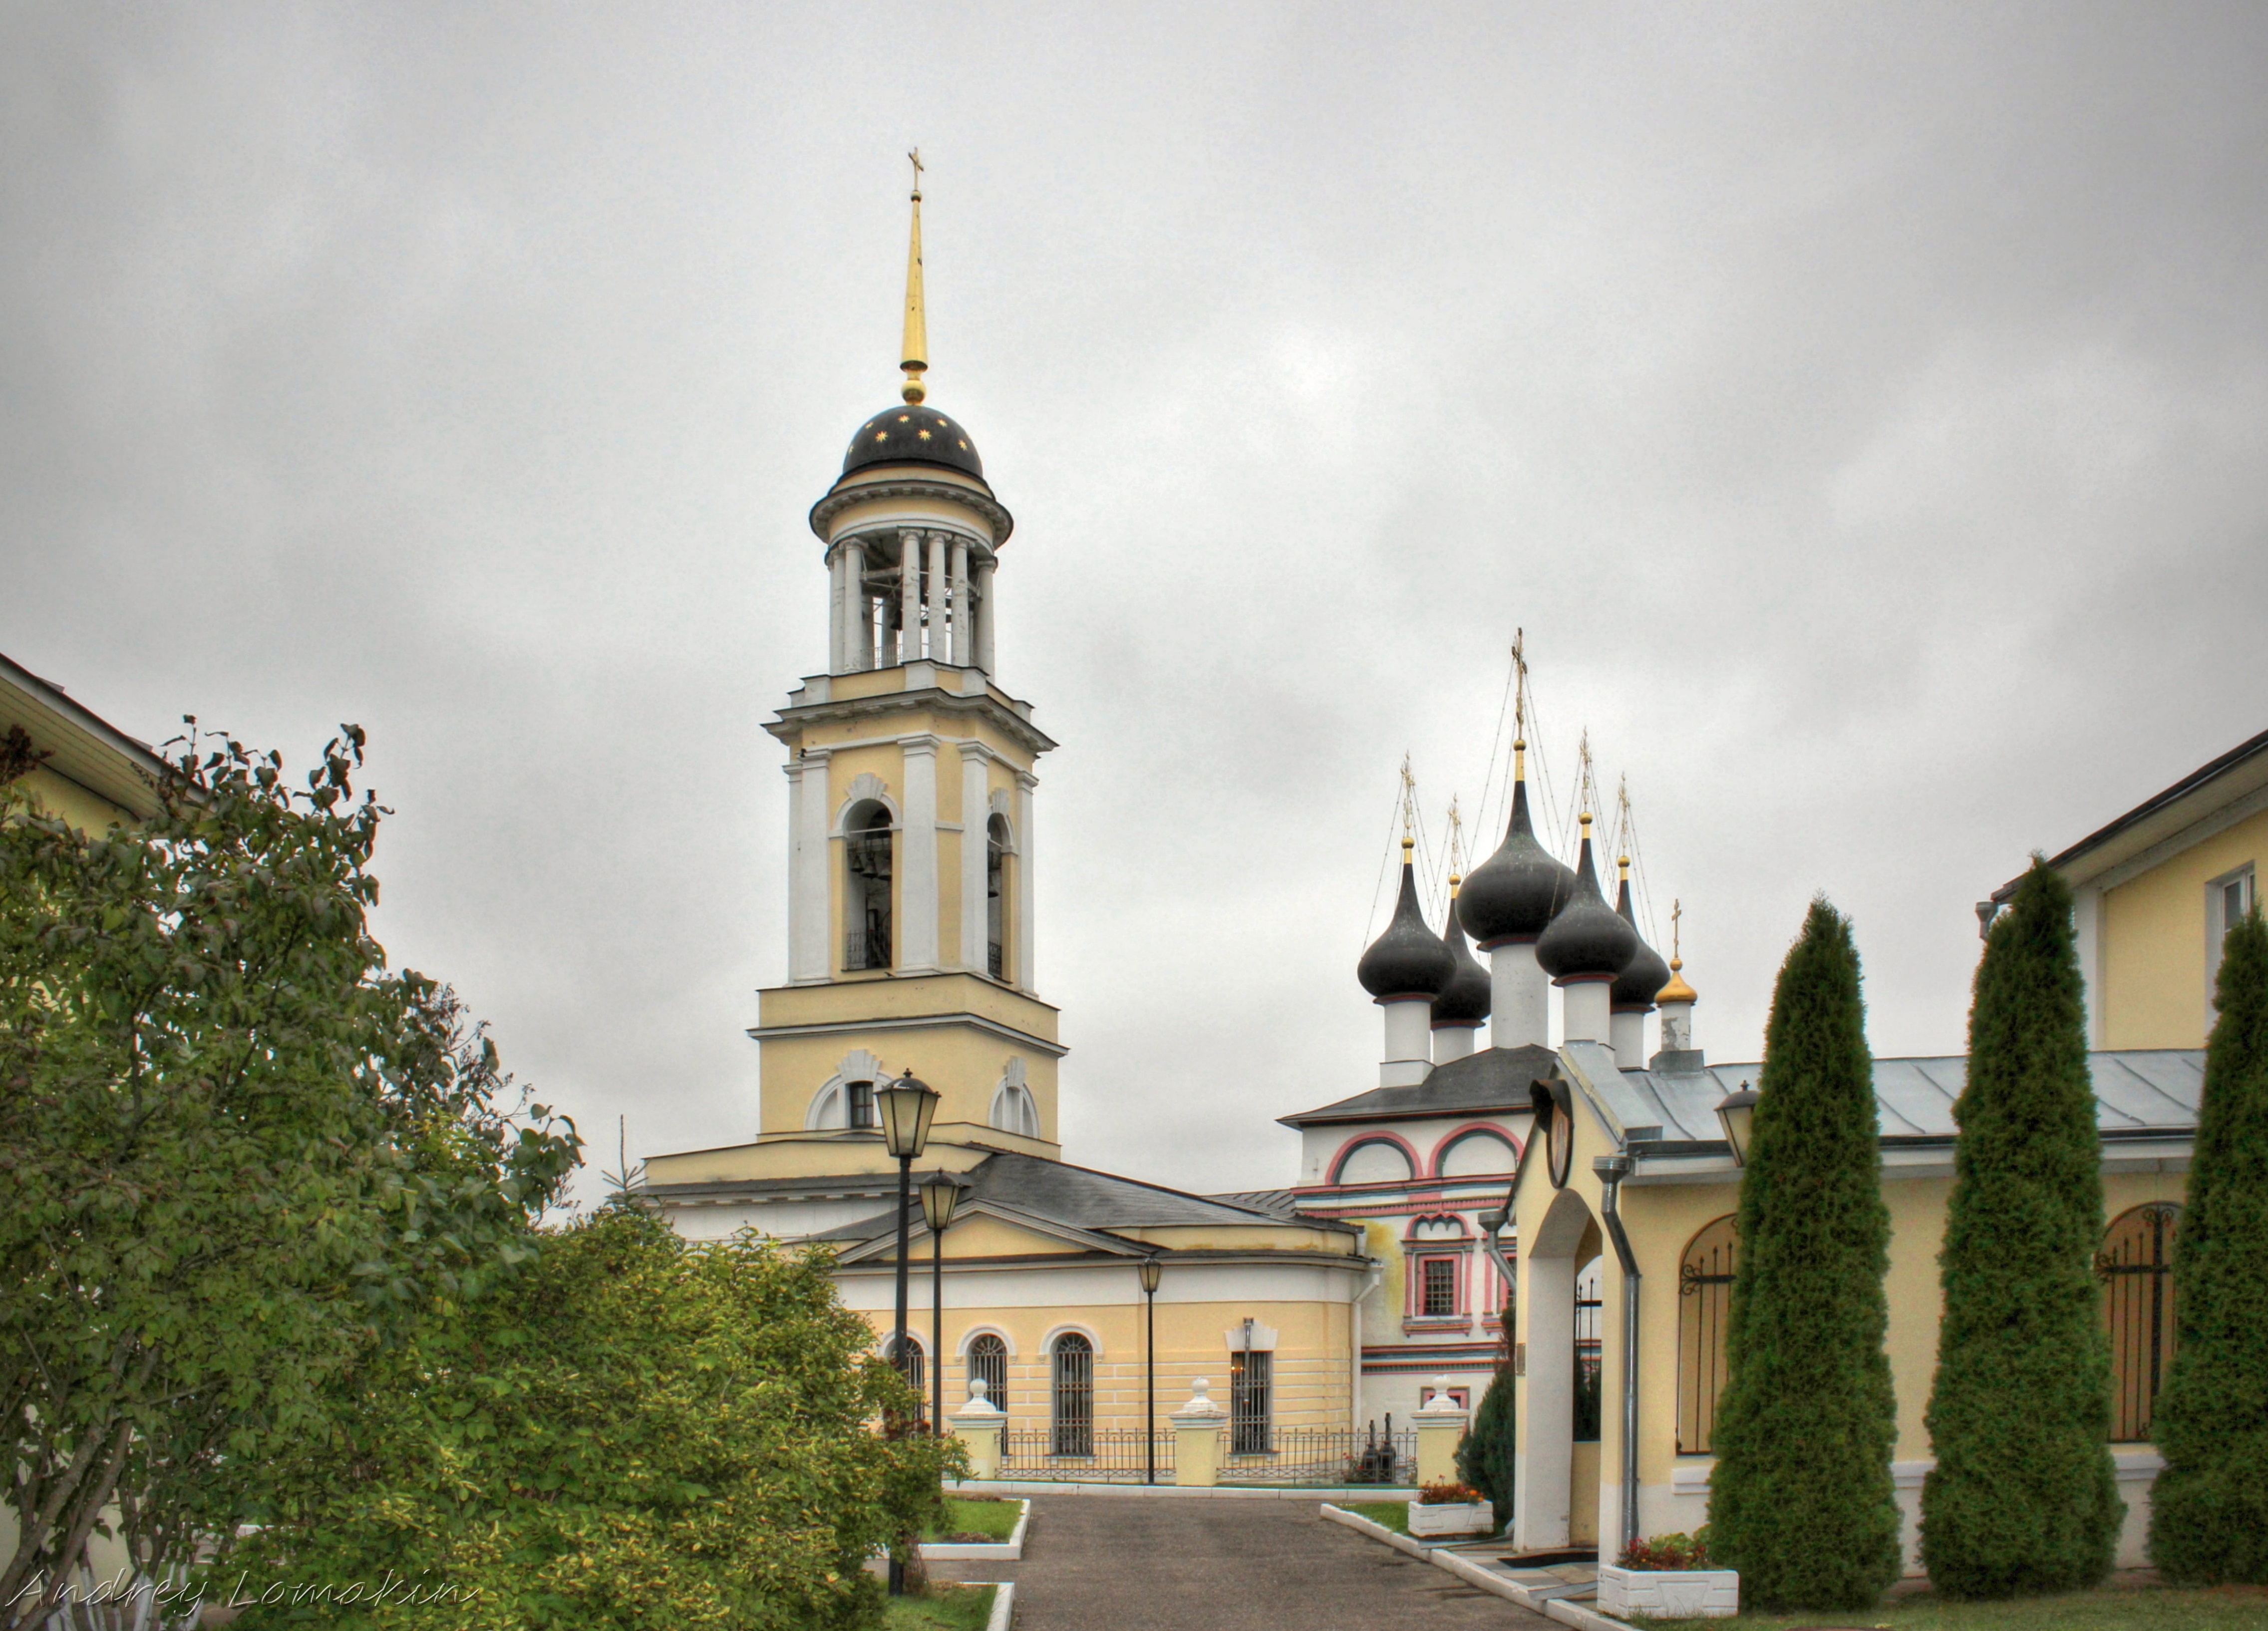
2217	924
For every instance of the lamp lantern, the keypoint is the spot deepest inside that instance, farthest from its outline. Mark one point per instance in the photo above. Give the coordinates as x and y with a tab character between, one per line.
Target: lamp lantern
941	1198
1152	1268
1736	1113
907	1106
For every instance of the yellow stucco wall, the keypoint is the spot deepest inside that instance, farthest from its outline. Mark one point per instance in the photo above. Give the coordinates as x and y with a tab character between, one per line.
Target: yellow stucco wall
2154	947
60	795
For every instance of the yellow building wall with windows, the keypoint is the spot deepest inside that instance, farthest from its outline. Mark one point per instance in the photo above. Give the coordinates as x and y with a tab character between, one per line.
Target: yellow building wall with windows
2155	946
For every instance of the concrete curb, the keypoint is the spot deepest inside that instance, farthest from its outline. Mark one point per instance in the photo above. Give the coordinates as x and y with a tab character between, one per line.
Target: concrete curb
1541	1603
1234	1492
1008	1551
1004	1606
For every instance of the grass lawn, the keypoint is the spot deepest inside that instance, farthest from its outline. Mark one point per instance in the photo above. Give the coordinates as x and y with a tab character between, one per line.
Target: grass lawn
953	1608
2112	1608
1394	1515
992	1520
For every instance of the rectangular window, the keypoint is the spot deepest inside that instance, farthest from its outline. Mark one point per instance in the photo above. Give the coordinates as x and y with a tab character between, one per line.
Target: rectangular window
2227	898
1249	1404
861	1102
1437	1293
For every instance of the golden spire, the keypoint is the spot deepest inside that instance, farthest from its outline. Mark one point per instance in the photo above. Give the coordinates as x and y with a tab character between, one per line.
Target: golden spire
1409	809
916	362
1676	990
1518	705
1456	847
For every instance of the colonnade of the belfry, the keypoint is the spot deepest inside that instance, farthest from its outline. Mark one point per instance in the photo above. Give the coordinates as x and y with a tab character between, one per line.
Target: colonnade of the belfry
908	594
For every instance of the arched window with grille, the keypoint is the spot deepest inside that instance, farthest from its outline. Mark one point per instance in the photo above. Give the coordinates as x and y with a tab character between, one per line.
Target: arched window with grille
2135	1266
867	887
1705	1296
988	1362
913	1368
1072	1391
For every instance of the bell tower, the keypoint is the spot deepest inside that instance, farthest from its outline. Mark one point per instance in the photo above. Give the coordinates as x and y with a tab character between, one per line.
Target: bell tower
910	784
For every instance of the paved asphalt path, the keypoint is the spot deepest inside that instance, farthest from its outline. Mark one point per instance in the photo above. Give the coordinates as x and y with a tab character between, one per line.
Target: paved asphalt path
1168	1563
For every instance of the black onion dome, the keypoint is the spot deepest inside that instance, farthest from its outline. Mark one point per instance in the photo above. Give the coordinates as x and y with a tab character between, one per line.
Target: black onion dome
1647	975
1409	960
1586	938
1465	1000
911	434
1516	892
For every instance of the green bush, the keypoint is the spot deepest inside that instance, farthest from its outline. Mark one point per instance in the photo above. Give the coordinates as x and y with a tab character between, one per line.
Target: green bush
2209	1507
2024	1498
646	1433
1802	1500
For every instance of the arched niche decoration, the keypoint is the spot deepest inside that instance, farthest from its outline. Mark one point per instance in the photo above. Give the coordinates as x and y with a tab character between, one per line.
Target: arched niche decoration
831	1106
1376	1159
1014	1109
1477	1152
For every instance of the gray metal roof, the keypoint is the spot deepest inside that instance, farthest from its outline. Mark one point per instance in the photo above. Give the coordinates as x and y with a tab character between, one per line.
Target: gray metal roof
1494	1079
2134	1089
1088	1199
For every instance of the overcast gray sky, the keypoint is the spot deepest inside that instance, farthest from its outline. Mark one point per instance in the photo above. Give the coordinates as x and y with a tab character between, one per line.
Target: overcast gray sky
1863	408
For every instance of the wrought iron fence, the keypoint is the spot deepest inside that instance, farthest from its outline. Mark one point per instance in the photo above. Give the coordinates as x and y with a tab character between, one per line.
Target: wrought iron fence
1325	1455
1115	1455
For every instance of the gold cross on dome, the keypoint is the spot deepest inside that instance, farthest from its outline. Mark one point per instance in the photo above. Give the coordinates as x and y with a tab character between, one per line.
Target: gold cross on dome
916	155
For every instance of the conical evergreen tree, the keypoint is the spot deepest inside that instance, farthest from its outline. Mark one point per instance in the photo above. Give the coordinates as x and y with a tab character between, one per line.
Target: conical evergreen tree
1802	1500
2024	1498
1485	1453
2209	1508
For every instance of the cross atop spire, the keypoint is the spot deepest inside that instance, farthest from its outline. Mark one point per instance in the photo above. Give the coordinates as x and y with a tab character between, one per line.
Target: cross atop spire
916	357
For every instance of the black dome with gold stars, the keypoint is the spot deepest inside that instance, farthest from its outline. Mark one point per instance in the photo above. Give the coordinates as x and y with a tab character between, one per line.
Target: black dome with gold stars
909	433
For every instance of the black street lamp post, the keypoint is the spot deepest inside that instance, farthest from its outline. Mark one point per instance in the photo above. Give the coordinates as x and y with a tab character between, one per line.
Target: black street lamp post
940	1194
1150	1269
907	1107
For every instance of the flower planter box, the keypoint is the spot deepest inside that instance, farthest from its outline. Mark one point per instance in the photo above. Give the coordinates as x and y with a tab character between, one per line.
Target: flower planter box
1668	1593
1463	1517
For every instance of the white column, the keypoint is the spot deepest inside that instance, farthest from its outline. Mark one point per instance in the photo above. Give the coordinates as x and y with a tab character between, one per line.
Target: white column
984	616
1676	1027
974	815
1453	1042
1542	1459
1026	884
1584	1011
1407	1058
809	847
940	646
909	595
1519	1003
857	621
917	891
964	631
834	597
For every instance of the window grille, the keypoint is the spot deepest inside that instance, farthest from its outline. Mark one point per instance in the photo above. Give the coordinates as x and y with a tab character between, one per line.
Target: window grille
995	895
1072	1419
1438	1292
2136	1265
988	1359
1249	1404
1705	1298
913	1368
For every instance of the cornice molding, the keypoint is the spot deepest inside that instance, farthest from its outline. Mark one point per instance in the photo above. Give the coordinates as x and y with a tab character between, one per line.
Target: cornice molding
995	514
914	1022
794	719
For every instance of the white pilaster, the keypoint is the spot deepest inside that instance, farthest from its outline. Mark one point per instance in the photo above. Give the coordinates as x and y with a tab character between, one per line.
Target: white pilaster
1543	1460
1520	1000
964	631
1676	1027
974	815
1026	885
917	880
858	616
809	848
910	645
940	644
834	597
984	616
1585	1010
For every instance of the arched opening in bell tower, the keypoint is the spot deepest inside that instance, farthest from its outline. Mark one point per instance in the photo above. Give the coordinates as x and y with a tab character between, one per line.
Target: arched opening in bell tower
867	887
995	897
